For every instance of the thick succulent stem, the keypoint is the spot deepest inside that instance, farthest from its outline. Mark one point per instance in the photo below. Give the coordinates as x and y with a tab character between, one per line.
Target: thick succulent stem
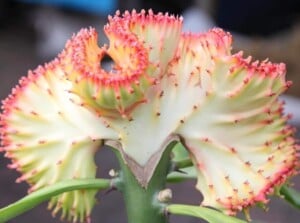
142	204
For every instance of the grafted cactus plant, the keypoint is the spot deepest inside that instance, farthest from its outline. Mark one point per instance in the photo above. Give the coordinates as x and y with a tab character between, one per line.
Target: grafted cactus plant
174	106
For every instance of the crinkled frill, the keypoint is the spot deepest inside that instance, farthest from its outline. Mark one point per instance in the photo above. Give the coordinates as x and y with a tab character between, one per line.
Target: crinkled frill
164	85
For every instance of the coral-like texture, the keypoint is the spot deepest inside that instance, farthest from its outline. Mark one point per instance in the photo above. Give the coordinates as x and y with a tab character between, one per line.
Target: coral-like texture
164	85
50	137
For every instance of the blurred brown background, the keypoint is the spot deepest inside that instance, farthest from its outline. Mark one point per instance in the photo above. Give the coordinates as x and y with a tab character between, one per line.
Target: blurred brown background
31	34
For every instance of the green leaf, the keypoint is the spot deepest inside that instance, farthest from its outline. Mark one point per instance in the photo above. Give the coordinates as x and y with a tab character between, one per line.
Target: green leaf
189	173
179	152
182	166
208	214
291	195
44	194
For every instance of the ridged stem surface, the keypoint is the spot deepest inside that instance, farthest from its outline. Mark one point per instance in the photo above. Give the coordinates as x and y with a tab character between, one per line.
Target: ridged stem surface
142	204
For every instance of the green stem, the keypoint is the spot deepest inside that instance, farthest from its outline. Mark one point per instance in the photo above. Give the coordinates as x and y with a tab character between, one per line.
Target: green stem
44	194
208	214
291	195
141	203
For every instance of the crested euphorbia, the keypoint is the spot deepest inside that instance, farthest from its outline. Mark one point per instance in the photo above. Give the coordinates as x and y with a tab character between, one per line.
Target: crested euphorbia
164	86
